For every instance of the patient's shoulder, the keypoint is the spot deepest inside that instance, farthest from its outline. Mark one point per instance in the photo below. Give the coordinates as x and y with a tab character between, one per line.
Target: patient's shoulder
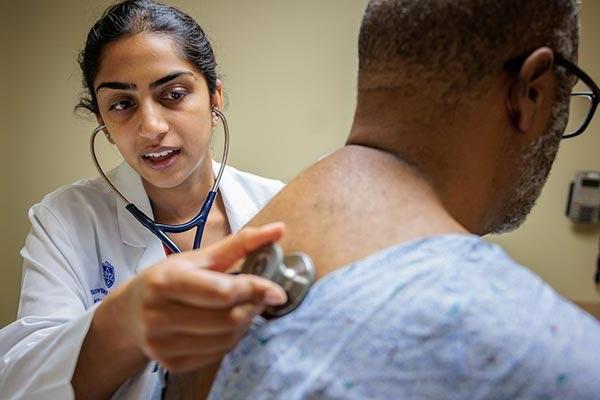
451	317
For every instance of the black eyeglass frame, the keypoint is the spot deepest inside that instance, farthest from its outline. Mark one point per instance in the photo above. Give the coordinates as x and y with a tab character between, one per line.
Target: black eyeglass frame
593	96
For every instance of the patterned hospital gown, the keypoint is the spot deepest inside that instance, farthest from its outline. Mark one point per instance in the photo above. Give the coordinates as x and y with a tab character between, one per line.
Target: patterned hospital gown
446	317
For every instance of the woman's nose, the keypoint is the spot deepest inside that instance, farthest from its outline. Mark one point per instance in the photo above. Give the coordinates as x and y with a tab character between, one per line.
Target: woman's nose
152	123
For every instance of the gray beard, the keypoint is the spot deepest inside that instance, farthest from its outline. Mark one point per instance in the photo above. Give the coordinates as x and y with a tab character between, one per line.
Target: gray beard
536	163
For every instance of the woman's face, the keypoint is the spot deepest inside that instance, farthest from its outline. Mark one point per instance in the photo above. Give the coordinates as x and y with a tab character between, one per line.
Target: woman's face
156	107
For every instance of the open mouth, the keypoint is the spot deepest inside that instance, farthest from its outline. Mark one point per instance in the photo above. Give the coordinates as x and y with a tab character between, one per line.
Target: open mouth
161	159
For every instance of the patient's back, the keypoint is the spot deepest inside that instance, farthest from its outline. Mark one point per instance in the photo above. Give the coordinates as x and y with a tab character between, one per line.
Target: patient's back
446	317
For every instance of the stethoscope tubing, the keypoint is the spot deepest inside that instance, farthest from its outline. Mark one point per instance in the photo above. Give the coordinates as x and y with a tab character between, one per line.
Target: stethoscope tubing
158	229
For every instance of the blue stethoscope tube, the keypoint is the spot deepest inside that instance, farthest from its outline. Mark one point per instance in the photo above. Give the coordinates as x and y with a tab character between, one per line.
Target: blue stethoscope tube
161	230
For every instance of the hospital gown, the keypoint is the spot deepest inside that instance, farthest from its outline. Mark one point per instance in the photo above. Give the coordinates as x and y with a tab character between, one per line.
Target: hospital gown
446	317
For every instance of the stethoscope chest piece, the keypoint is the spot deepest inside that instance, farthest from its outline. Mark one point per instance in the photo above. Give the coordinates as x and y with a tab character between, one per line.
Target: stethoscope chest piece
294	272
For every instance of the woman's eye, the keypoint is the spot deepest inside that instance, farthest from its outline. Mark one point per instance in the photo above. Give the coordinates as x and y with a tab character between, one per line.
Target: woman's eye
174	95
121	105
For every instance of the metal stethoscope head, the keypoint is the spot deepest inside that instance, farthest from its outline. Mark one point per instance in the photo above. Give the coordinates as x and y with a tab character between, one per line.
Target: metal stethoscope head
294	272
160	230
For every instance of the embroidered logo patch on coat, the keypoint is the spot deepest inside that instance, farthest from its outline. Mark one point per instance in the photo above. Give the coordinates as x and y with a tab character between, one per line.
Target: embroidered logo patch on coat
108	273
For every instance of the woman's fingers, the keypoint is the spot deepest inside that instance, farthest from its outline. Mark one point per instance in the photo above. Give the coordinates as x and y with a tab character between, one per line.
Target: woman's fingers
195	278
185	308
222	255
213	290
179	319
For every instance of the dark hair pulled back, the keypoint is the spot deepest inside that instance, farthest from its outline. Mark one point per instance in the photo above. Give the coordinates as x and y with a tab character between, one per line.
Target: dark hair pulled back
135	16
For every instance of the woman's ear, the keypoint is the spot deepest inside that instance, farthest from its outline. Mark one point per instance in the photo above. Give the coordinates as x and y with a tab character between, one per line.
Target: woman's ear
216	99
216	102
105	130
531	91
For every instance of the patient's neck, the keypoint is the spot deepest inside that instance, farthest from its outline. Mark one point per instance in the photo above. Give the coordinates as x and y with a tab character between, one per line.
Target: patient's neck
353	203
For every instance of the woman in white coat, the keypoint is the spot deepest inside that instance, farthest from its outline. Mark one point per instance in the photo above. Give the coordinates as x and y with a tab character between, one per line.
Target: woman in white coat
99	300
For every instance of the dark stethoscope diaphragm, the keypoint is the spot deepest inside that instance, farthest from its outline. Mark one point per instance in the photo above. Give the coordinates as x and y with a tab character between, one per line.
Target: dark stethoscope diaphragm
294	272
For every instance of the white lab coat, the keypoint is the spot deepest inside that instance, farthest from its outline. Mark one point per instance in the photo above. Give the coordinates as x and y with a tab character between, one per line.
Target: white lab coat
82	245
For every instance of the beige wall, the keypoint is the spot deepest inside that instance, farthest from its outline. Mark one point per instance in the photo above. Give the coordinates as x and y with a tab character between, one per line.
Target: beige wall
289	71
3	114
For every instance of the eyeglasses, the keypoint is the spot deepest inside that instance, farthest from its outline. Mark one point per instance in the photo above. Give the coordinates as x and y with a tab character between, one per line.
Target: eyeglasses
584	98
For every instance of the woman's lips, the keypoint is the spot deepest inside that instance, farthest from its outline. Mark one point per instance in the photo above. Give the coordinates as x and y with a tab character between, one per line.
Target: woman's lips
161	159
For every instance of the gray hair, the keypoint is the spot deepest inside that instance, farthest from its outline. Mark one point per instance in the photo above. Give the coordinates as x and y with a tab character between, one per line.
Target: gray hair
452	46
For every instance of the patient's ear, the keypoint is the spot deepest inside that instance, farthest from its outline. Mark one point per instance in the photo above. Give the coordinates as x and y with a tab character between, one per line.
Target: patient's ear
531	92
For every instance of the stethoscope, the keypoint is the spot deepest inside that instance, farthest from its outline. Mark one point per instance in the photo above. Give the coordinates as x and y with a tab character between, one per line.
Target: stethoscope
295	272
158	229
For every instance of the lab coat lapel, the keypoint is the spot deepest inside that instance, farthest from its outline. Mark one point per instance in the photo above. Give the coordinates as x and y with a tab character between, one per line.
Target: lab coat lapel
132	232
239	207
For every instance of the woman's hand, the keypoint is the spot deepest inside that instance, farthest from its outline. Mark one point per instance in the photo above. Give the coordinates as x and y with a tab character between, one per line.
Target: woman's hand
183	312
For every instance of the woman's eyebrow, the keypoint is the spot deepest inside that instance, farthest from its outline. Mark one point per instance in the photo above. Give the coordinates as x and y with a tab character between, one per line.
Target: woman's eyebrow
117	86
170	77
133	86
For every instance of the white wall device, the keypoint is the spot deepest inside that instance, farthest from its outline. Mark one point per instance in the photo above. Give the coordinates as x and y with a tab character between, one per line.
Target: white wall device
583	206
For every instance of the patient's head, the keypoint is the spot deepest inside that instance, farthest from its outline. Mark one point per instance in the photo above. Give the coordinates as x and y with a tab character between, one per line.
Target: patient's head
438	68
452	48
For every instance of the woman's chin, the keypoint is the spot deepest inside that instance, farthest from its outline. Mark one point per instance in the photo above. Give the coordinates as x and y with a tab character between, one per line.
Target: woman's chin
163	180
